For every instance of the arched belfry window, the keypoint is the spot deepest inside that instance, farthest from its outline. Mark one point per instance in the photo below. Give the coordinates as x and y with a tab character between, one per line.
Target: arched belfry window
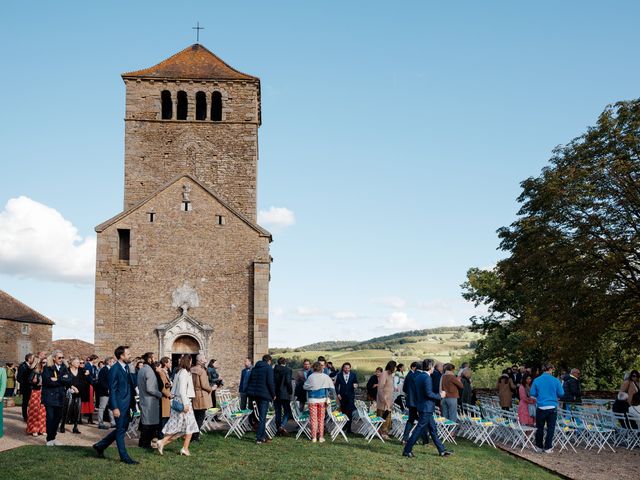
183	105
216	106
167	105
201	106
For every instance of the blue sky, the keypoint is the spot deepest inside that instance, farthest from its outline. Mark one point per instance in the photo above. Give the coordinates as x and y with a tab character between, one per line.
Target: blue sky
396	132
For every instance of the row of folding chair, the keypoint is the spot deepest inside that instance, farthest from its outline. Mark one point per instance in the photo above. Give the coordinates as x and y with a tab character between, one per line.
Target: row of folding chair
236	419
365	423
474	427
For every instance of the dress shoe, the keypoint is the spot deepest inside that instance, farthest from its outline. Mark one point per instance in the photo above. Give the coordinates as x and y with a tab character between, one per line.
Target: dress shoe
408	455
99	451
446	453
103	427
129	461
75	430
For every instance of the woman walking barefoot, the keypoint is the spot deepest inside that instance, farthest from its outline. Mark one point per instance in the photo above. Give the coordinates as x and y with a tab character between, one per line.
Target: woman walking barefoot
181	423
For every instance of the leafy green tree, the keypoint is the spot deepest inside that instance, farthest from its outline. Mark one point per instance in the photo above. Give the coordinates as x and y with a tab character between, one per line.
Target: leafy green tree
569	291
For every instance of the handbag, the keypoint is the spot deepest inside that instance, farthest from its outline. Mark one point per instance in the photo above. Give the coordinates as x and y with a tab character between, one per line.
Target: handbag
532	409
177	405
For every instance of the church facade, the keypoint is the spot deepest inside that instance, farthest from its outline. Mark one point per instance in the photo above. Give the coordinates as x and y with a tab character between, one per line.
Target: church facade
185	268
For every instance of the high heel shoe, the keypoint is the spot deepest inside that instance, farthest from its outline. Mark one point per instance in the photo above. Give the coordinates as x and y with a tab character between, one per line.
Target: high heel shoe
160	445
185	452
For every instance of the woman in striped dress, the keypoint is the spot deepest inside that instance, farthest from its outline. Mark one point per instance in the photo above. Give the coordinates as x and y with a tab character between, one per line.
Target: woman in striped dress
36	412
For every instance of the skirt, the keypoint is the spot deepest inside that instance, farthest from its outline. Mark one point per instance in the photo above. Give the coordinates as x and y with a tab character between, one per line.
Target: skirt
36	414
89	407
181	423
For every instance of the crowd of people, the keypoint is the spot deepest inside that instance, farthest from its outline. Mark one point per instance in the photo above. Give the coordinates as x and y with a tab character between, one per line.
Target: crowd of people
172	402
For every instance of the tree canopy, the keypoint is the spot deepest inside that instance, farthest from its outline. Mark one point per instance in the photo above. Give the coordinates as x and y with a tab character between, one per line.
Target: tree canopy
569	290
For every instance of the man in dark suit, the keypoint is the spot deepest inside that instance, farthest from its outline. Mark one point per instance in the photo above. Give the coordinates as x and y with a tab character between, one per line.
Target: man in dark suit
262	390
572	389
24	370
409	389
55	381
282	378
121	398
102	392
436	376
425	402
346	384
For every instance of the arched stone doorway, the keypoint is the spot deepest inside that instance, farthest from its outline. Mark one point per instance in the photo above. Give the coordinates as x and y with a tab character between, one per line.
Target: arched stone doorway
184	345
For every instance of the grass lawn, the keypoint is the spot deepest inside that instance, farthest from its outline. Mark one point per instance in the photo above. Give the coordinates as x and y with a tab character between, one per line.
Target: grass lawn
284	458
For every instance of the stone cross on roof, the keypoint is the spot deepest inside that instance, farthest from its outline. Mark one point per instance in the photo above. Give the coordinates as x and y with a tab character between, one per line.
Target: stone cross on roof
197	28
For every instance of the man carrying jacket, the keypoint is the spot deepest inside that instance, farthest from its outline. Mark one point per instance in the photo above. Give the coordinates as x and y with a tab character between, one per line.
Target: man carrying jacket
262	390
425	403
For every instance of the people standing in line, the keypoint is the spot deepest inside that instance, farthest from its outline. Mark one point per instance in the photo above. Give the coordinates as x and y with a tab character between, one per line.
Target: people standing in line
102	392
547	390
318	386
505	387
467	387
346	383
631	386
572	389
411	396
121	400
214	378
3	388
36	413
55	380
282	404
301	377
204	392
372	385
88	394
149	400
244	382
11	380
425	402
384	398
24	370
162	369
398	381
262	390
451	385
436	378
527	405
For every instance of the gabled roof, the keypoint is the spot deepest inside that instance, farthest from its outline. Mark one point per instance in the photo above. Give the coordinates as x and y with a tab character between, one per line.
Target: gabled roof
193	63
254	226
13	309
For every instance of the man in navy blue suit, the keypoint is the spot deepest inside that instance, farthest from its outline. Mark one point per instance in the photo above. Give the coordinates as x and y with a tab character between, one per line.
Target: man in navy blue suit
409	389
121	397
425	403
346	384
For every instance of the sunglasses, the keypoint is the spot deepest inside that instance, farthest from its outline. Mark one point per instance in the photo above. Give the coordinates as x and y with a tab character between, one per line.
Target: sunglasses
59	358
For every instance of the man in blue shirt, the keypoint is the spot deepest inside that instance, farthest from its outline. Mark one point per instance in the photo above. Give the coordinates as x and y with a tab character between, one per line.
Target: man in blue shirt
547	390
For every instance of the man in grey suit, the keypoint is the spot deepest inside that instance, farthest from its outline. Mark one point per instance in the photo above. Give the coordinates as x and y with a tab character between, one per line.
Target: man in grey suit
150	397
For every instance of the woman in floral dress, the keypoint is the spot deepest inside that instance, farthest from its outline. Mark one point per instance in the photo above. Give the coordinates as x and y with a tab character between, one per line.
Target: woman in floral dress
36	412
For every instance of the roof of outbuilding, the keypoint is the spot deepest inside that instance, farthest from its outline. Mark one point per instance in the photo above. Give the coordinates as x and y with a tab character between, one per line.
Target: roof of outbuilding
193	63
13	309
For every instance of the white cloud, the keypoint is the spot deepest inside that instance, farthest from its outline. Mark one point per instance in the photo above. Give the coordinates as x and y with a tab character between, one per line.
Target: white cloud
392	301
307	311
400	321
73	328
36	241
276	218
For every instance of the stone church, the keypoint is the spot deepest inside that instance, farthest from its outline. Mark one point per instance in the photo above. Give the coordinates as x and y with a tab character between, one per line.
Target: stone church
185	268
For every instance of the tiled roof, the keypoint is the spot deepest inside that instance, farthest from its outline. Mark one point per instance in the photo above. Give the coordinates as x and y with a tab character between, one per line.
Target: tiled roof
13	309
193	63
72	347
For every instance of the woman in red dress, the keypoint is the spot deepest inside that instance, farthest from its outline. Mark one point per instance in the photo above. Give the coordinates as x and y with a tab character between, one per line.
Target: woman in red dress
36	412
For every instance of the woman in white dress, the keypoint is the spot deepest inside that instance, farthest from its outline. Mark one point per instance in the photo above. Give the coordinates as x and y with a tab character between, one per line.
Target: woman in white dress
181	424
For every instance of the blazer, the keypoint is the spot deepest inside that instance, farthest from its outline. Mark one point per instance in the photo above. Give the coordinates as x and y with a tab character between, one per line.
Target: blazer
384	397
435	381
425	396
282	379
572	390
102	385
201	388
261	385
346	389
121	389
149	394
409	388
53	391
244	379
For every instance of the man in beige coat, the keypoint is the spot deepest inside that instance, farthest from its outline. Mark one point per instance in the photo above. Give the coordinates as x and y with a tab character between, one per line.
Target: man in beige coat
202	400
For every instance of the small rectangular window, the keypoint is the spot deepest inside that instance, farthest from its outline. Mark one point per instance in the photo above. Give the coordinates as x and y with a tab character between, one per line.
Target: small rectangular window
25	329
151	216
220	220
124	244
186	206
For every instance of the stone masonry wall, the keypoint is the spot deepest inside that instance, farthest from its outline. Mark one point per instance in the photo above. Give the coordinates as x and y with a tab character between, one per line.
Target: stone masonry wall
223	155
12	339
178	246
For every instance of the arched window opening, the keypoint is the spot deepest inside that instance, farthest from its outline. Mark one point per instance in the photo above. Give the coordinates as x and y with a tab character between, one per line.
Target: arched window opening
216	106
167	105
201	106
183	105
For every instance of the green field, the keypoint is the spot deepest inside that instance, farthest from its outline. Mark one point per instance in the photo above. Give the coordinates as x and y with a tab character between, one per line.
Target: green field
284	458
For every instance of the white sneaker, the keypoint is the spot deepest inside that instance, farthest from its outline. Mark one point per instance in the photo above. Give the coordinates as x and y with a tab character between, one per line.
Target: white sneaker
537	450
550	450
58	443
51	443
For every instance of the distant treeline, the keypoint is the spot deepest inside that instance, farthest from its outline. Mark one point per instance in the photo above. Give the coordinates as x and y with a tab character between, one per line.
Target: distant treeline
376	343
